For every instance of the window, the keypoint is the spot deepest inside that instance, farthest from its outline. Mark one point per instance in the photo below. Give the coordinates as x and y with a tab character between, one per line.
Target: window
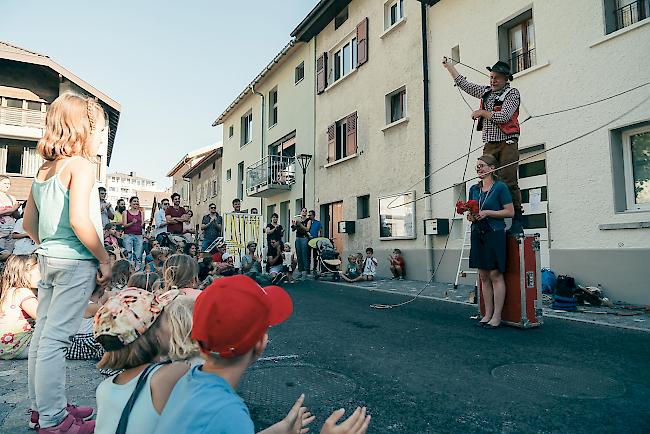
345	59
34	105
623	13
342	138
393	12
240	180
341	18
15	103
535	168
299	73
231	131
397	217
396	106
517	42
228	174
363	207
14	159
213	193
273	107
246	128
636	162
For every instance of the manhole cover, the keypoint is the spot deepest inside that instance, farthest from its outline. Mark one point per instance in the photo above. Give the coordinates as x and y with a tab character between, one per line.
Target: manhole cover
280	385
559	381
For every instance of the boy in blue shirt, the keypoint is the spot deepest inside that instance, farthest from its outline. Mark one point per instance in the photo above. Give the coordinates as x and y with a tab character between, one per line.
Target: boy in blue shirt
230	323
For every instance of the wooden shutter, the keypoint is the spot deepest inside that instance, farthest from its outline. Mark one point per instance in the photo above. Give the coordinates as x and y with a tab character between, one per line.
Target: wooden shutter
362	42
331	143
351	133
321	73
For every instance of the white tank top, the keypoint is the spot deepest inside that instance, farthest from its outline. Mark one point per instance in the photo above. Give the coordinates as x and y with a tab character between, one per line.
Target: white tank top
111	400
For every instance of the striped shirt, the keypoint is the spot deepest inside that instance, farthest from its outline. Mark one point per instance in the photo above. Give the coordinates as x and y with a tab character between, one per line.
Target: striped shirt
491	131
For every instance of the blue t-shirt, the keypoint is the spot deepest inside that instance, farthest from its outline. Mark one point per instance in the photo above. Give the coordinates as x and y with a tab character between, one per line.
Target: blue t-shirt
495	199
315	227
204	403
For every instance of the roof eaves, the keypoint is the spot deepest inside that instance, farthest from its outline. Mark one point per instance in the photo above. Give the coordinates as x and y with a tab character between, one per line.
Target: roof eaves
213	156
318	18
287	48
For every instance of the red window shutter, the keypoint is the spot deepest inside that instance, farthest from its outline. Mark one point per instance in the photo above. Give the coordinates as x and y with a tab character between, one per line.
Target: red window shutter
331	143
321	73
351	133
362	42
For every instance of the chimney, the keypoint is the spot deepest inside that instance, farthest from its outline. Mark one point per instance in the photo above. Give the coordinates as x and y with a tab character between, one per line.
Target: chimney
132	174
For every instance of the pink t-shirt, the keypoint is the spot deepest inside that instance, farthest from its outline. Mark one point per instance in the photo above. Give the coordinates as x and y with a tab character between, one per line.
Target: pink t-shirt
16	326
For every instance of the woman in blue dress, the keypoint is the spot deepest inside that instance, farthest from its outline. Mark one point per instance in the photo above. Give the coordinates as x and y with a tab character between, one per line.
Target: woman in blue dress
488	251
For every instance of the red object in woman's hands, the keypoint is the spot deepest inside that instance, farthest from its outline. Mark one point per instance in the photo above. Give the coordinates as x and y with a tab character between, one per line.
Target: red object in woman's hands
472	206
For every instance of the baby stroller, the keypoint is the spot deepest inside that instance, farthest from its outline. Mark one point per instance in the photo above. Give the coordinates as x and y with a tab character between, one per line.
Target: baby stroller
328	259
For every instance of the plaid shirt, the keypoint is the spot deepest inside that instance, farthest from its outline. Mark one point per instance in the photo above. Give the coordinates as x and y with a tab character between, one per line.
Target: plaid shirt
491	131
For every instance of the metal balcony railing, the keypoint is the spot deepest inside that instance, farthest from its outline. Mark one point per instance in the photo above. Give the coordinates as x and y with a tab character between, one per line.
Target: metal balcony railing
631	13
523	61
22	117
272	172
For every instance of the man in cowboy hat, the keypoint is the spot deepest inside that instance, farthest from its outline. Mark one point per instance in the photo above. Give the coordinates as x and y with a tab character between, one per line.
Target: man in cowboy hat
498	120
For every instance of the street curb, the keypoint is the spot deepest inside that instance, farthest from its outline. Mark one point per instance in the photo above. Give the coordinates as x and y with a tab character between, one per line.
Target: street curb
446	300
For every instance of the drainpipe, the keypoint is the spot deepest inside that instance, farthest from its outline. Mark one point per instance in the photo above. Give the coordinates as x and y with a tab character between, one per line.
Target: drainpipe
261	210
428	211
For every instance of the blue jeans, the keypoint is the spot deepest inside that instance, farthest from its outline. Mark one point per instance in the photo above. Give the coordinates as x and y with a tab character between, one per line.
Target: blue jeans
302	254
63	293
134	246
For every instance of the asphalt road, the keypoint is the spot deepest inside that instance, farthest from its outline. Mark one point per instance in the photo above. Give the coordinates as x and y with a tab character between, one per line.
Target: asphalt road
424	368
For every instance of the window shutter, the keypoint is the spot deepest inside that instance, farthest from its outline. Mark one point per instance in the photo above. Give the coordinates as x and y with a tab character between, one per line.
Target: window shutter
351	133
331	143
362	42
321	73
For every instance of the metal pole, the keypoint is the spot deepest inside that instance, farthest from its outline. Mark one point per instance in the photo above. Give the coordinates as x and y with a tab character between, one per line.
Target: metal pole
304	174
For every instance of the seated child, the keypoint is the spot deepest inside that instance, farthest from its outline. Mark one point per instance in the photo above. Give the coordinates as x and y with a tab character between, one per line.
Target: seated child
352	271
122	270
397	264
158	255
227	267
83	345
143	280
180	272
289	262
133	328
205	268
205	396
368	269
18	304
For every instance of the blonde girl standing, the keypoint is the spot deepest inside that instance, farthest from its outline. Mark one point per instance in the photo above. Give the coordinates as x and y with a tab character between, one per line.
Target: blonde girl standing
63	216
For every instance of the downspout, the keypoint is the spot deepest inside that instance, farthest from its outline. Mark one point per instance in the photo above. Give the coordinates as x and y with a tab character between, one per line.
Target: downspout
428	211
261	210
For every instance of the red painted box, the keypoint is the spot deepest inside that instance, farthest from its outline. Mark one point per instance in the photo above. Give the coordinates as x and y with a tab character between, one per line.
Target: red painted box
523	276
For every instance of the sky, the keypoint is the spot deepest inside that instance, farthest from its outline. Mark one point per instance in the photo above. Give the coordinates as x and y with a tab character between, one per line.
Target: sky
174	67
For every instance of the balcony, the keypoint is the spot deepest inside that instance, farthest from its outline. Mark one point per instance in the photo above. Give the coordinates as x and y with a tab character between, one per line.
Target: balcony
523	61
270	176
22	117
631	13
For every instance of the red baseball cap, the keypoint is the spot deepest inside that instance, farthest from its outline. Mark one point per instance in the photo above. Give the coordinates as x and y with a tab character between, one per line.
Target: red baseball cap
233	314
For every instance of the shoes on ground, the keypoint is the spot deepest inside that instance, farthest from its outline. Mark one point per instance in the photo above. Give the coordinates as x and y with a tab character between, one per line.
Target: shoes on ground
78	412
70	425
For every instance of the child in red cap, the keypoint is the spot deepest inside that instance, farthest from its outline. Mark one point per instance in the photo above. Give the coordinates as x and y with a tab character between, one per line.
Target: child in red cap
231	321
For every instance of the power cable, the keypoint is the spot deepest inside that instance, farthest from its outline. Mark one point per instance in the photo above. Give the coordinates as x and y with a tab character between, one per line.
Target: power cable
527	119
540	152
